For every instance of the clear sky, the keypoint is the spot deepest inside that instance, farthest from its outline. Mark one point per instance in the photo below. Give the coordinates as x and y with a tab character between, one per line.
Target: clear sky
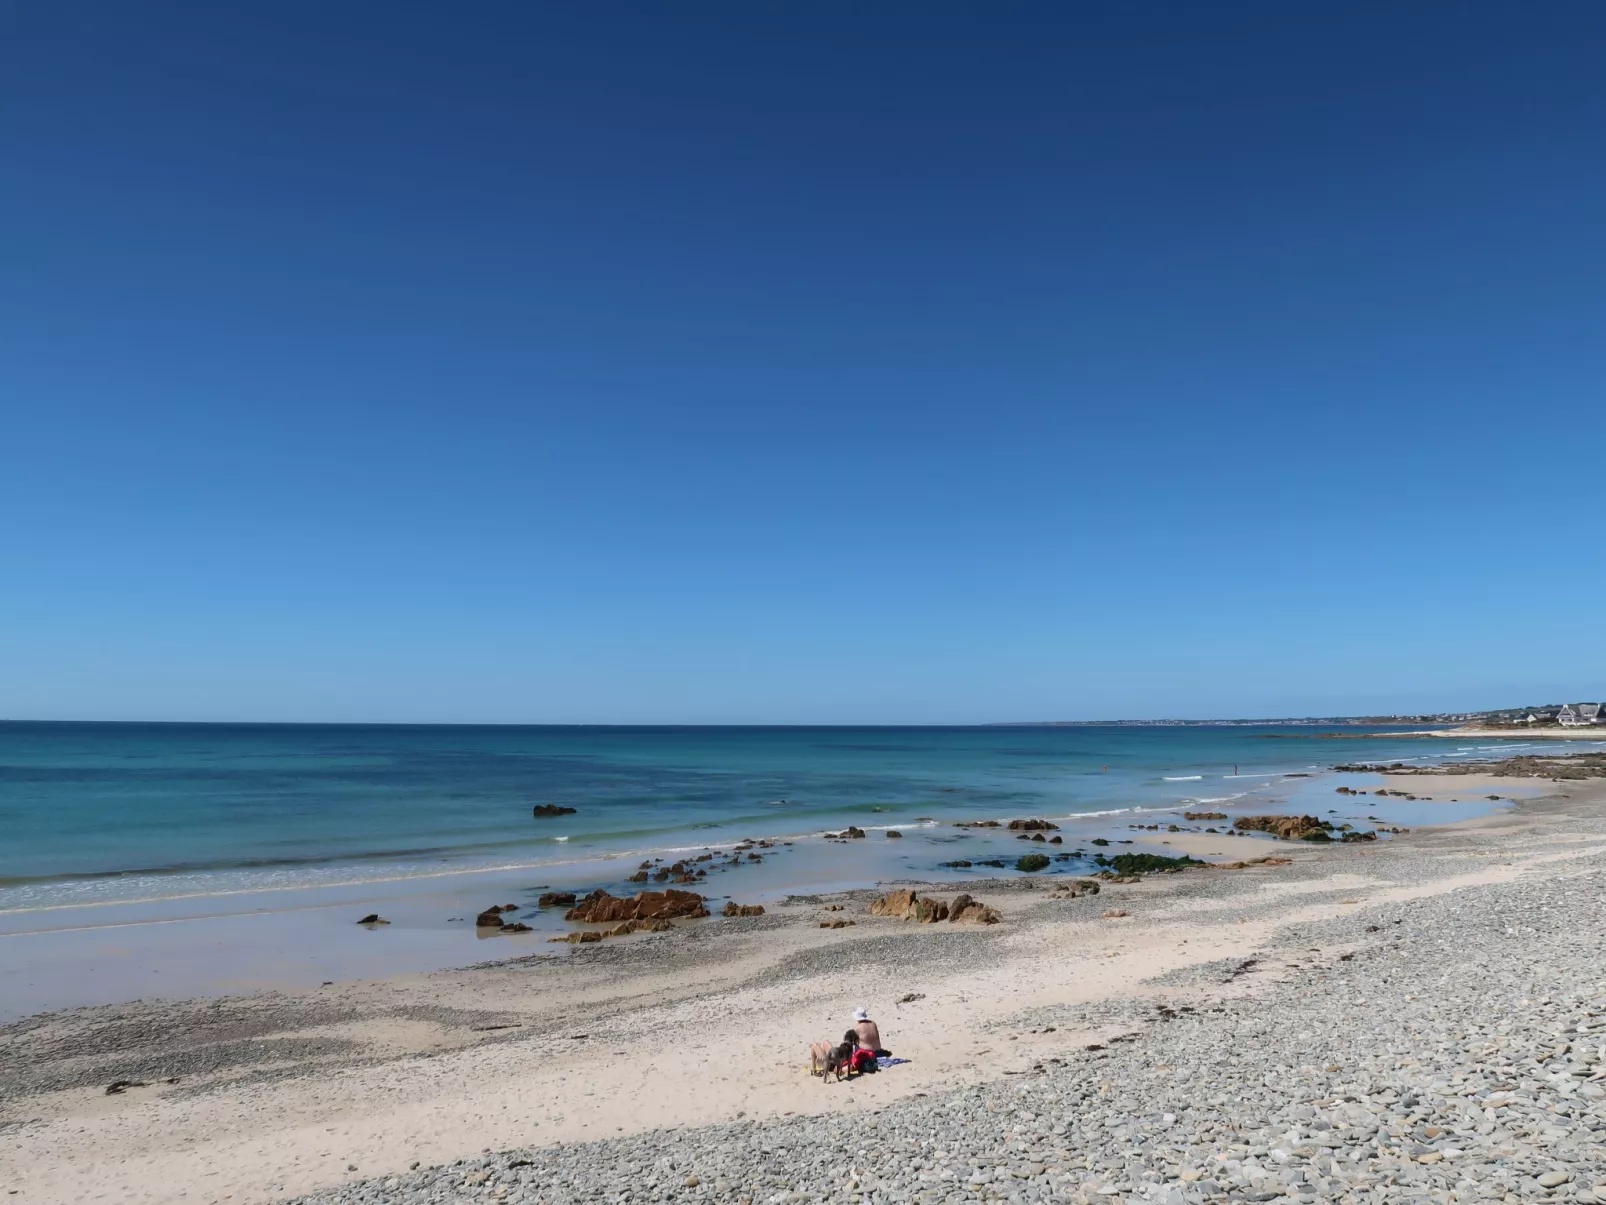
793	362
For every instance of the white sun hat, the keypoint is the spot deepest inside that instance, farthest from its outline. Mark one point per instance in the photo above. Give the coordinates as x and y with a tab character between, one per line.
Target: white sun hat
861	1013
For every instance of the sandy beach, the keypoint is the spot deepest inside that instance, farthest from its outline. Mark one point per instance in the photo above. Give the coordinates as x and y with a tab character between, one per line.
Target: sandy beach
1538	734
262	1097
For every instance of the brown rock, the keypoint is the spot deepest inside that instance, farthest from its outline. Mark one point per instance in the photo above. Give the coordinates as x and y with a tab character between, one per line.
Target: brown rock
491	918
907	905
1204	815
600	907
897	904
552	809
837	924
1112	913
1289	828
973	913
1077	888
639	877
732	908
1032	826
517	927
893	833
555	899
853	830
579	937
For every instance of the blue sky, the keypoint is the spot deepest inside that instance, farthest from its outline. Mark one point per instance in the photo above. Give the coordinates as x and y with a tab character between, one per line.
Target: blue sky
792	363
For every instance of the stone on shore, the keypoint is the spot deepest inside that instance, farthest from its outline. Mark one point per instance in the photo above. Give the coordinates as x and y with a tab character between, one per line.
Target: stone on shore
1289	828
1074	889
601	908
963	910
905	904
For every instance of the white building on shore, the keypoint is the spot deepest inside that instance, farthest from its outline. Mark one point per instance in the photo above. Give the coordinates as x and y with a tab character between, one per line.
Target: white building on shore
1580	715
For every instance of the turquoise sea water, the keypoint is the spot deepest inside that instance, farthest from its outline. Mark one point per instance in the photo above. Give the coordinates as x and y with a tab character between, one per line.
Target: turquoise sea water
107	812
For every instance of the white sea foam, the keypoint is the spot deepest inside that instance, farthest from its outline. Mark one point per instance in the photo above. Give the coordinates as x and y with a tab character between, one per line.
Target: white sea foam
1185	778
1171	807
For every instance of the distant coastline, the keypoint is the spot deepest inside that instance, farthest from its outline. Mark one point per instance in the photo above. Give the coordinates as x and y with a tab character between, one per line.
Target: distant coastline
1307	722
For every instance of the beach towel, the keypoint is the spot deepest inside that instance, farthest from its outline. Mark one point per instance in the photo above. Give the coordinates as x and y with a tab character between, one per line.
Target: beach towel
882	1062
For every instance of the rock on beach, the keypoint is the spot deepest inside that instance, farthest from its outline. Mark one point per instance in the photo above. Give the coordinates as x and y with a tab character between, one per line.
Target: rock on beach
601	908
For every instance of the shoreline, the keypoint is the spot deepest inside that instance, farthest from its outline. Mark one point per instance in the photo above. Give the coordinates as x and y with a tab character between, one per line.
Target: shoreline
1596	733
293	938
293	1092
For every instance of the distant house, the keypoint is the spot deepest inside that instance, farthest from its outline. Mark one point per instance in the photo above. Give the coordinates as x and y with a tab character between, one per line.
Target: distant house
1580	715
1545	715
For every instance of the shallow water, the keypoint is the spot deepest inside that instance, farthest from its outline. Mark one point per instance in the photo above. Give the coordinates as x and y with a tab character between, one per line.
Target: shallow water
203	858
94	812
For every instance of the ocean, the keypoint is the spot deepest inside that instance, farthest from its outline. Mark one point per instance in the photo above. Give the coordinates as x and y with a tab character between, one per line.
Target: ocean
105	813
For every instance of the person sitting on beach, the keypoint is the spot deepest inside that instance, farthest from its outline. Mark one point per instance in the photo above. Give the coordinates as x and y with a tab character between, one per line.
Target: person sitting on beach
869	1033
